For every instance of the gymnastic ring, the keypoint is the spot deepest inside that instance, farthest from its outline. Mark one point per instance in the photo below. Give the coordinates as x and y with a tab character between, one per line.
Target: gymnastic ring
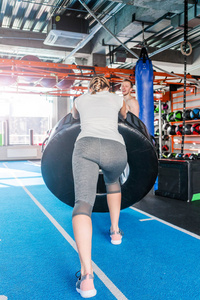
56	164
190	48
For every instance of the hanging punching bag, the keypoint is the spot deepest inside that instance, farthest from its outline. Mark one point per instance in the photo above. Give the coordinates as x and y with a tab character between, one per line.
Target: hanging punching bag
144	90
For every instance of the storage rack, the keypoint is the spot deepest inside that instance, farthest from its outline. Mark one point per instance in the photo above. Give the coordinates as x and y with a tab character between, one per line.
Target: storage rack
57	71
158	115
192	97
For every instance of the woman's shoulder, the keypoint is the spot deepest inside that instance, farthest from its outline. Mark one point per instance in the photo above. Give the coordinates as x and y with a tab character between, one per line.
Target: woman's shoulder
83	96
116	97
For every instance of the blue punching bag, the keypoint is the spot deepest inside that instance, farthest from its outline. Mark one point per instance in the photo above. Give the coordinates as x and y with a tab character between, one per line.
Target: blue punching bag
144	90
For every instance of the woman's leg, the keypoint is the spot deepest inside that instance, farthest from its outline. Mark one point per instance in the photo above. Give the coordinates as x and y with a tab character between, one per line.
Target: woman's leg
85	172
114	205
82	226
113	162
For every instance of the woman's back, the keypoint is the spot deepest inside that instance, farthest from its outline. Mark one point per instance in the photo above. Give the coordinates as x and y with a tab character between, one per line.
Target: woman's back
99	115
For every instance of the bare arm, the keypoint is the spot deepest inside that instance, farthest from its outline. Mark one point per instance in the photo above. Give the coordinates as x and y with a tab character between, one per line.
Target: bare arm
133	106
75	113
123	110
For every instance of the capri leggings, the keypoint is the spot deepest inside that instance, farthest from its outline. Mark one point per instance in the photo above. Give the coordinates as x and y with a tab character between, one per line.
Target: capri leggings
91	154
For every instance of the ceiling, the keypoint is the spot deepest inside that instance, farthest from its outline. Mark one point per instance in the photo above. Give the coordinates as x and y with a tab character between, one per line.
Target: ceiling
156	24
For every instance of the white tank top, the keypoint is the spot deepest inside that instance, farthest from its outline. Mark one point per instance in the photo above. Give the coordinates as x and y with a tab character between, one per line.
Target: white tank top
99	115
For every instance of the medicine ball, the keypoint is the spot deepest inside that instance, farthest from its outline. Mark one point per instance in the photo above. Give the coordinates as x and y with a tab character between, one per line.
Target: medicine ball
165	148
171	130
171	155
156	109
178	115
164	116
195	129
179	156
165	106
157	133
188	129
165	137
193	156
165	126
171	117
195	114
187	114
156	122
186	155
179	129
165	154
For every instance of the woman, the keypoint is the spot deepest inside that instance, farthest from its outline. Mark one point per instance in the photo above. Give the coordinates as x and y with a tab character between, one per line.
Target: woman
98	146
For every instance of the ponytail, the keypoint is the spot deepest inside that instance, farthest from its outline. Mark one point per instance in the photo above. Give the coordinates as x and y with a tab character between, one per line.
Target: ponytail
98	83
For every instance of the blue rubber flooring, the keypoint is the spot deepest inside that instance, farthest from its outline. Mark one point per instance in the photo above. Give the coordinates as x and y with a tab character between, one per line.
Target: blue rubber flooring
38	260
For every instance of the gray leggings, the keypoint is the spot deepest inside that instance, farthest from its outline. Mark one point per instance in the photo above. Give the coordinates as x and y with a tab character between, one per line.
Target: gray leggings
91	154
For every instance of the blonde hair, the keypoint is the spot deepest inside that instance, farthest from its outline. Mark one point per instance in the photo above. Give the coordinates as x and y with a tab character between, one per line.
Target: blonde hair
98	83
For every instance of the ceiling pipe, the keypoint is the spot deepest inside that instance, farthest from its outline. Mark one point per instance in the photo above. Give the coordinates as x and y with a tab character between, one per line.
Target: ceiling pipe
102	25
180	40
95	29
166	47
122	44
142	31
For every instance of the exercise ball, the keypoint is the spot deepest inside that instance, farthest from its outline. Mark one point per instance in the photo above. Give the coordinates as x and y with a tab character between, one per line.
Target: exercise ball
7	80
164	117
172	155
178	116
171	117
186	155
31	58
179	129
188	129
165	154
156	122
66	83
165	106
48	82
179	156
195	114
195	129
187	114
193	156
165	137
171	130
165	126
157	132
165	148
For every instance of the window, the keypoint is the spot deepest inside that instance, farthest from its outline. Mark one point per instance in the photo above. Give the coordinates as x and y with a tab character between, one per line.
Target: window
24	113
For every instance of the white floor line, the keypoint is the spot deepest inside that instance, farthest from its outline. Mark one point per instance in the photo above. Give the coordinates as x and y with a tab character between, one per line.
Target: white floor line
102	276
167	223
34	164
149	219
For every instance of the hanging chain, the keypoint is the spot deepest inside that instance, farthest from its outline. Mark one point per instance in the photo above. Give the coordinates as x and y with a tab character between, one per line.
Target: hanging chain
185	69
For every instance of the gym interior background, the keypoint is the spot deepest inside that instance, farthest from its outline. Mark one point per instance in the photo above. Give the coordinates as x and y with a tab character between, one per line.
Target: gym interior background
48	52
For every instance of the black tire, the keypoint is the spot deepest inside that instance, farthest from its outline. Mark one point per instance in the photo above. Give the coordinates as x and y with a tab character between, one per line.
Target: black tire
142	159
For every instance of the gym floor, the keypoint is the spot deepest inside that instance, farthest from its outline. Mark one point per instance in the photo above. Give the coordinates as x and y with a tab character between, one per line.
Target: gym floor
158	258
180	213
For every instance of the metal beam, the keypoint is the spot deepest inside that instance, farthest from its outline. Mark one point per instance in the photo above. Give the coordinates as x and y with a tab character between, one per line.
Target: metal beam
96	27
27	42
113	35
